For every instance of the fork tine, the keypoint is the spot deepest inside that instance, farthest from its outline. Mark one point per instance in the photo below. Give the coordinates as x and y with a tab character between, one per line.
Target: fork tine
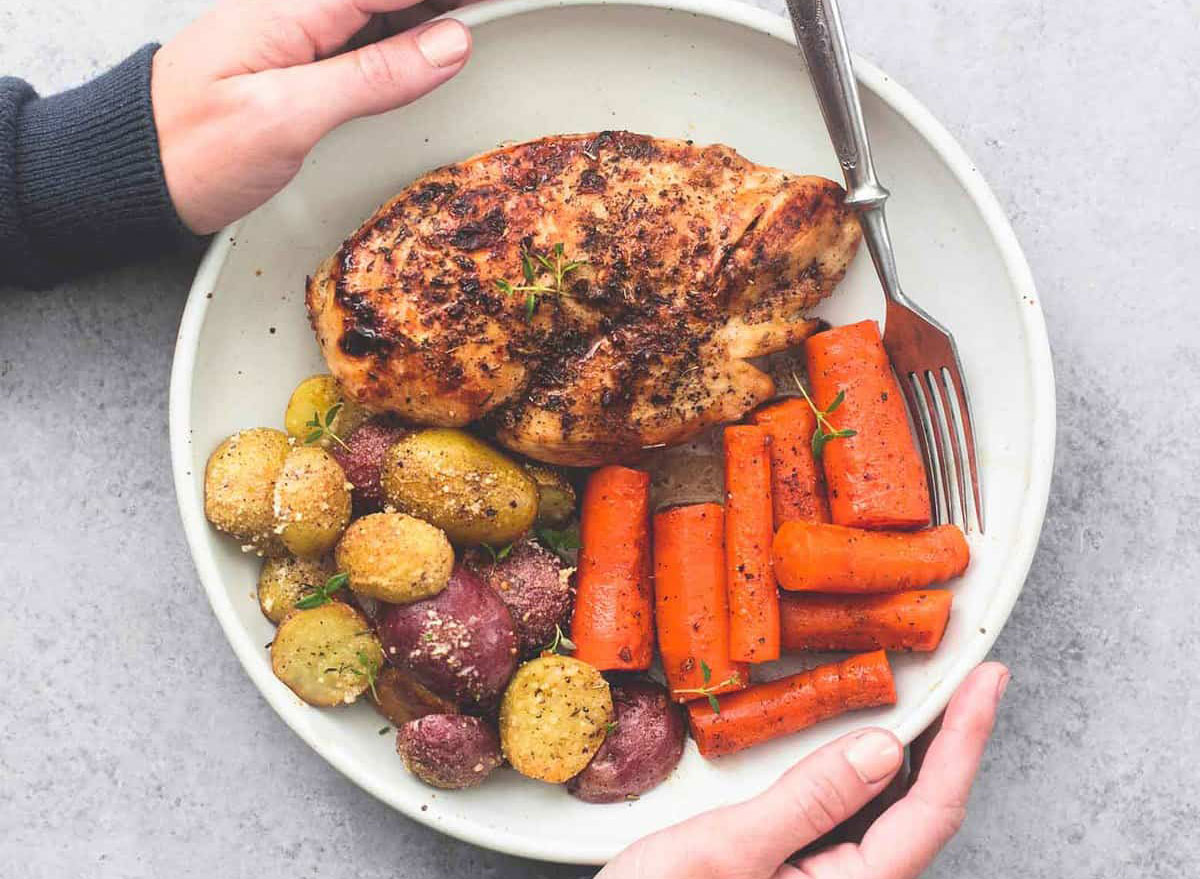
941	379
941	440
920	417
968	435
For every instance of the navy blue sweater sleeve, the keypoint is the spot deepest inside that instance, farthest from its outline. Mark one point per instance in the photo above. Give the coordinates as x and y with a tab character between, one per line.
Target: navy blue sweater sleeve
81	182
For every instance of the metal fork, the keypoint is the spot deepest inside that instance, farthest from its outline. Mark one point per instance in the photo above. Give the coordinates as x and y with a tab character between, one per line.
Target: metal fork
922	351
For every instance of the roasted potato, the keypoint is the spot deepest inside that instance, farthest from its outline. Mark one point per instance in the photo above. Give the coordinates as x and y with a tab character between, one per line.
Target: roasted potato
450	751
312	502
553	717
461	484
239	487
327	655
311	402
536	586
641	748
362	459
459	643
284	581
556	496
395	558
400	697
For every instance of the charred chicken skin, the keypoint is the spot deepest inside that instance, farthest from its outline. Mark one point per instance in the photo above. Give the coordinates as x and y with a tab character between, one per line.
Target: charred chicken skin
586	296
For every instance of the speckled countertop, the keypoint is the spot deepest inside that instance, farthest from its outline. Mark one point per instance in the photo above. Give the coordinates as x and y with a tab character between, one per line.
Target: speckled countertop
133	745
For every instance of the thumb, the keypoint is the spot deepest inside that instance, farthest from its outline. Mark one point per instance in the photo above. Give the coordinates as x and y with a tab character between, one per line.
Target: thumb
753	838
376	77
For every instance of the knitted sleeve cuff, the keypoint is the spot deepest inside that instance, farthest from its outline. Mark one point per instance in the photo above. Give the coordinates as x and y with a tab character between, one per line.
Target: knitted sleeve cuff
89	181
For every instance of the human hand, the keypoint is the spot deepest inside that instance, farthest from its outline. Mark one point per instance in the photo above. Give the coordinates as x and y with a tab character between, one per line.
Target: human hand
756	839
243	93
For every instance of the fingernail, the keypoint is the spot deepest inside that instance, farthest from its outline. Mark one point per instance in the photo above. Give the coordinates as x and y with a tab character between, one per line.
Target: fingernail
1002	686
874	755
444	43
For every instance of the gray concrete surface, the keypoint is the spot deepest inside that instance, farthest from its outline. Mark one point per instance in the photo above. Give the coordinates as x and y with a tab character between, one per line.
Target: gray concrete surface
132	745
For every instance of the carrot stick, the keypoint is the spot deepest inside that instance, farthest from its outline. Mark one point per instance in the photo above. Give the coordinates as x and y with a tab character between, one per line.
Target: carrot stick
788	705
815	557
876	477
691	605
613	626
797	483
901	621
753	598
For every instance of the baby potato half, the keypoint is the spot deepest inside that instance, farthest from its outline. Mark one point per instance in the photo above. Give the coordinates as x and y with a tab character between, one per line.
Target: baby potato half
554	717
239	487
284	581
395	558
327	655
307	416
312	502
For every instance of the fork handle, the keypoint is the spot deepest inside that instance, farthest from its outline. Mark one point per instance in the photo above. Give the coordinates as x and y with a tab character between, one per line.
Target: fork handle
819	33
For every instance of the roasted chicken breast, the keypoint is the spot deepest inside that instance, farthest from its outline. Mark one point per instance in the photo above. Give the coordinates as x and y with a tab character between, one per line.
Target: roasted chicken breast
586	295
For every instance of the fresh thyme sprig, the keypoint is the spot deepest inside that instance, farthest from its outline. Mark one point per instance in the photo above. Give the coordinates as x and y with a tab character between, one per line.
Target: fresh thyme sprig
322	428
368	670
824	431
561	541
323	594
498	555
560	644
533	266
709	690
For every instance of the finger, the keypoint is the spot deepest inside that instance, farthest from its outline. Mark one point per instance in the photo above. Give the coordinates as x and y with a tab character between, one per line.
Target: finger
248	36
374	78
753	838
908	836
920	747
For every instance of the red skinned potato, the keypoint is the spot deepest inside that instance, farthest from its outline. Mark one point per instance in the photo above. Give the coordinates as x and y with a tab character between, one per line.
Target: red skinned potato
450	751
640	751
536	586
362	458
460	643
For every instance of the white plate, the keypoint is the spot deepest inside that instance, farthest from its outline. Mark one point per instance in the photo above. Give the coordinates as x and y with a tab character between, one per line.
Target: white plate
702	69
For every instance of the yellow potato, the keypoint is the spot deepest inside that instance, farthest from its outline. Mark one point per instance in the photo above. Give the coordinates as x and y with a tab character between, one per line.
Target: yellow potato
462	485
239	487
312	502
556	496
395	558
312	399
327	655
284	581
554	717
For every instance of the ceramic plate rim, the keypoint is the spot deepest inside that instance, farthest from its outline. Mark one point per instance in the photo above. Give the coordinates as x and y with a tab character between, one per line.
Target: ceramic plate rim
1032	509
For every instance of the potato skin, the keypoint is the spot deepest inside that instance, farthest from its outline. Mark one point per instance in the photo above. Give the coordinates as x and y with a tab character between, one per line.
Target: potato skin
556	496
319	653
400	697
537	587
239	487
284	581
315	396
312	502
460	484
553	717
450	751
460	643
395	558
362	460
640	751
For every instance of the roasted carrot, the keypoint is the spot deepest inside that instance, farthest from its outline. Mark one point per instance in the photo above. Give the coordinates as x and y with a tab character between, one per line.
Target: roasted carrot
788	705
901	621
797	483
817	557
613	626
753	598
876	477
691	605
